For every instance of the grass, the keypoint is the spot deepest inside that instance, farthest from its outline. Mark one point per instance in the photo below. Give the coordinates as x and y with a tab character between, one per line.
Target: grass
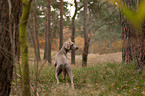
107	77
110	79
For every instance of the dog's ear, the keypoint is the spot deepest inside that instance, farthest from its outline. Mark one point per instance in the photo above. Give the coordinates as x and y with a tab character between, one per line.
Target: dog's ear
67	45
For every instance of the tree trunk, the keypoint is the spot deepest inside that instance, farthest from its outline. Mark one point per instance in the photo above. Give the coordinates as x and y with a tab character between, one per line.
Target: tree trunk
37	46
49	32
86	38
35	42
73	33
90	45
111	50
34	36
73	40
140	49
140	55
61	24
16	13
6	54
141	45
24	48
46	41
47	53
128	35
143	30
133	39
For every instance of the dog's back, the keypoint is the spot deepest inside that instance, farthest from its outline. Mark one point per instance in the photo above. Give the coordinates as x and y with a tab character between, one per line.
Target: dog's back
60	59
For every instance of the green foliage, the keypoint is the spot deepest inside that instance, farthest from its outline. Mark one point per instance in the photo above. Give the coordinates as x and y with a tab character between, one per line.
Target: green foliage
40	8
141	10
102	18
136	17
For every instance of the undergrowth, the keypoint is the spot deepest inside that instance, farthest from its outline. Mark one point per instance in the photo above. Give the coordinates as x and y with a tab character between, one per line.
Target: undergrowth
107	79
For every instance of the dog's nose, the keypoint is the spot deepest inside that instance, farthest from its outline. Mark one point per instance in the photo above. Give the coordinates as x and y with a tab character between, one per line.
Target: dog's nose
77	47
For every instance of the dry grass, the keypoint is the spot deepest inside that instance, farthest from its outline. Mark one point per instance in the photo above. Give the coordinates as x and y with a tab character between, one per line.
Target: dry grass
103	76
94	59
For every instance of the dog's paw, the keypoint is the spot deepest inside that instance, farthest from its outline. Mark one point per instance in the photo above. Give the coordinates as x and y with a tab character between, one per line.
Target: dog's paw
57	83
72	86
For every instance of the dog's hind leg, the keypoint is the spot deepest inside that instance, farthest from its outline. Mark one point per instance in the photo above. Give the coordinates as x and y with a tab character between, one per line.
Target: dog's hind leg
69	71
56	75
58	71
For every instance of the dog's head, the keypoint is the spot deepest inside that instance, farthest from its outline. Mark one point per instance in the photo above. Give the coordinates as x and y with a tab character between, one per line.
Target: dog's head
70	46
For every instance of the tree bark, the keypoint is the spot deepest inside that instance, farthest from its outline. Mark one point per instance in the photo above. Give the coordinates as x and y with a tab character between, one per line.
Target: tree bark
16	13
34	36
24	48
143	30
86	38
73	33
61	24
47	53
35	42
6	54
49	31
111	50
133	39
15	16
46	41
128	35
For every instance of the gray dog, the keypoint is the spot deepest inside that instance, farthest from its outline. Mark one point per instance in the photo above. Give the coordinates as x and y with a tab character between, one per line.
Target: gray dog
61	62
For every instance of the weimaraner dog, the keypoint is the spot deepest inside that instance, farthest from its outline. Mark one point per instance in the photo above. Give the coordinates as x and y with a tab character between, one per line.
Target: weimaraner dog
61	62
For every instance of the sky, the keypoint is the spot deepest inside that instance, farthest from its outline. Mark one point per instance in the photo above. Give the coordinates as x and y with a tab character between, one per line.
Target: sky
71	8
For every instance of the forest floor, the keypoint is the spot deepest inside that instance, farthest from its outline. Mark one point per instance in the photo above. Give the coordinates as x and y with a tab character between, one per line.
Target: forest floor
104	75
